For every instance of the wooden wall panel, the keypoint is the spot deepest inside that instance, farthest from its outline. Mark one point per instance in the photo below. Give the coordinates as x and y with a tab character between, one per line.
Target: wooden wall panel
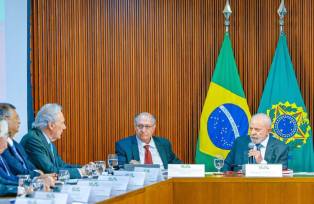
106	60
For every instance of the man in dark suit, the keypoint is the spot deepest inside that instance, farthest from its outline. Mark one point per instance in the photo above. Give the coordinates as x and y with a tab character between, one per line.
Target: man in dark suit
5	170
15	155
38	143
144	148
267	149
8	181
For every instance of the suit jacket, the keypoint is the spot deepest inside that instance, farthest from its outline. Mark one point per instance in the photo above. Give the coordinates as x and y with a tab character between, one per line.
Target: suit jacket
127	150
15	164
7	187
5	176
39	152
276	153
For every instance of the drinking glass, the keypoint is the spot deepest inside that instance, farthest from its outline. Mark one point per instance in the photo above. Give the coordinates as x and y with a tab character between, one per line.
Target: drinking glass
25	186
100	167
218	163
112	161
38	184
63	175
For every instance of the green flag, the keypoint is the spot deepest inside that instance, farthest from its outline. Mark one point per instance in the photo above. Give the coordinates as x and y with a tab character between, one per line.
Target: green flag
283	102
225	113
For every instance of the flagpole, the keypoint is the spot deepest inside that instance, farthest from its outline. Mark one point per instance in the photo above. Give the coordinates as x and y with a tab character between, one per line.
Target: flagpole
282	11
227	13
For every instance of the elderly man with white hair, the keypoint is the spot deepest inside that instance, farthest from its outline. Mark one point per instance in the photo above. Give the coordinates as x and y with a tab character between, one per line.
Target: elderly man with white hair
259	147
38	143
144	148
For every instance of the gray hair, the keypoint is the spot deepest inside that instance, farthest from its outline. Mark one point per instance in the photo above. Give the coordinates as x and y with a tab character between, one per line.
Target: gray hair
47	114
262	116
144	115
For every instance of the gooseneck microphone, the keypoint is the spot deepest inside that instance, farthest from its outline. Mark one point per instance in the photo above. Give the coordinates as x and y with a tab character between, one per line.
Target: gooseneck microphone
251	159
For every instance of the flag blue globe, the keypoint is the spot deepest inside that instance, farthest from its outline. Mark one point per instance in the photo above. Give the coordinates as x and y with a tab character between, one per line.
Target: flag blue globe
226	123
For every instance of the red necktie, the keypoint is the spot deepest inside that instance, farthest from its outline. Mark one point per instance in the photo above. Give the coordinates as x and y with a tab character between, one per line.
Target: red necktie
148	155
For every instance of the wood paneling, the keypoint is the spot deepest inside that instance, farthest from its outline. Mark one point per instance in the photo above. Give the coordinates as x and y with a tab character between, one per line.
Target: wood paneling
106	60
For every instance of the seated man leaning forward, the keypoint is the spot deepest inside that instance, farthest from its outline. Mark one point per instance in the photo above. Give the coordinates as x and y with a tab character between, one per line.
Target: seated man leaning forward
144	148
38	143
266	149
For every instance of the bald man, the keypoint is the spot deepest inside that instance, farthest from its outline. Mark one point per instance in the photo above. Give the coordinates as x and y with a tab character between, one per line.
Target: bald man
265	148
144	148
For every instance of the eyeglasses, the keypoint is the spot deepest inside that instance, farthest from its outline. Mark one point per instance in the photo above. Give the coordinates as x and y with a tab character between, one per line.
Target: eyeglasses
144	126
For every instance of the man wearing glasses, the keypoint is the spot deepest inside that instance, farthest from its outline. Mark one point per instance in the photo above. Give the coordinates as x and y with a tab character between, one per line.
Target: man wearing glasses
144	148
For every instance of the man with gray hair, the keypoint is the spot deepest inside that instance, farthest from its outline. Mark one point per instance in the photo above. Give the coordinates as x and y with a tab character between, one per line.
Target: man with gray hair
144	148
38	143
259	147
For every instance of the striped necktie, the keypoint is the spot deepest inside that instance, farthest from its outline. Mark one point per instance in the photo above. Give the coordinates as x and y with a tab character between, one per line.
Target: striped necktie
18	156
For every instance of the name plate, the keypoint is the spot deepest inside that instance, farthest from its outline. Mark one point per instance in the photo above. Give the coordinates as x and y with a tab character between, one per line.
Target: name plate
186	170
152	174
119	183
32	201
136	178
98	188
263	170
61	198
77	193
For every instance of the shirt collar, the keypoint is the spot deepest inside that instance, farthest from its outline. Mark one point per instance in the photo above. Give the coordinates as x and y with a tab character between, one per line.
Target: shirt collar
142	144
10	141
265	142
47	138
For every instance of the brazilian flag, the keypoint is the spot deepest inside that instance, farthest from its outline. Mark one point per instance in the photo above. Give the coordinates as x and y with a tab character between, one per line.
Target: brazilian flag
283	102
225	114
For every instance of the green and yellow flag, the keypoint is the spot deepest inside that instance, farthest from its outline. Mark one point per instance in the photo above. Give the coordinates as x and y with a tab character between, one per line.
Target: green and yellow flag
225	114
283	102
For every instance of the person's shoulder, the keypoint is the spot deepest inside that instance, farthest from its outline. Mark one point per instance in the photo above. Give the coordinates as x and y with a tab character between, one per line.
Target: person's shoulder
33	134
161	140
127	140
277	141
242	139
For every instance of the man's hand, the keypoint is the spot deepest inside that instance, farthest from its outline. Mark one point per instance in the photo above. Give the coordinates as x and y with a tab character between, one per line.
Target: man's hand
134	162
257	155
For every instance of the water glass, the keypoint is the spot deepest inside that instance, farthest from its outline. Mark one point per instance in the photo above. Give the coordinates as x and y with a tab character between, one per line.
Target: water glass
63	175
100	167
112	161
218	163
38	184
25	185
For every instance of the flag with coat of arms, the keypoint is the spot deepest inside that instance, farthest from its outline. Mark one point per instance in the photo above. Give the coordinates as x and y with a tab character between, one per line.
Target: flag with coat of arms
283	102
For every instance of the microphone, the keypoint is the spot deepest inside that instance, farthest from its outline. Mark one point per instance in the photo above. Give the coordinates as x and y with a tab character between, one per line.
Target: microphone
251	158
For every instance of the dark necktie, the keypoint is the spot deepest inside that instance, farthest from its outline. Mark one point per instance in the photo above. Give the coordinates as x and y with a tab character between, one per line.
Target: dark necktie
148	155
53	155
5	166
258	147
18	156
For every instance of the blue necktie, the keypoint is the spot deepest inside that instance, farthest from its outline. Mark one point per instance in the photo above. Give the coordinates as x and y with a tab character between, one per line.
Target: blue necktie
53	156
5	166
258	147
18	156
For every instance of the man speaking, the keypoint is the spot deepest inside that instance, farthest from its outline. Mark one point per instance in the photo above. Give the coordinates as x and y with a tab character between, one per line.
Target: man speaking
259	147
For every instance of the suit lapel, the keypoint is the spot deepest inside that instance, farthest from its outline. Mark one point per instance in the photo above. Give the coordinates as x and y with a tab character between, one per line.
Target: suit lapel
161	151
135	153
269	149
46	145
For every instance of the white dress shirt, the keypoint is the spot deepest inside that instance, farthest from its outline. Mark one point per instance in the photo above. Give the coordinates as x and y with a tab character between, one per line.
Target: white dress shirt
152	148
263	149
